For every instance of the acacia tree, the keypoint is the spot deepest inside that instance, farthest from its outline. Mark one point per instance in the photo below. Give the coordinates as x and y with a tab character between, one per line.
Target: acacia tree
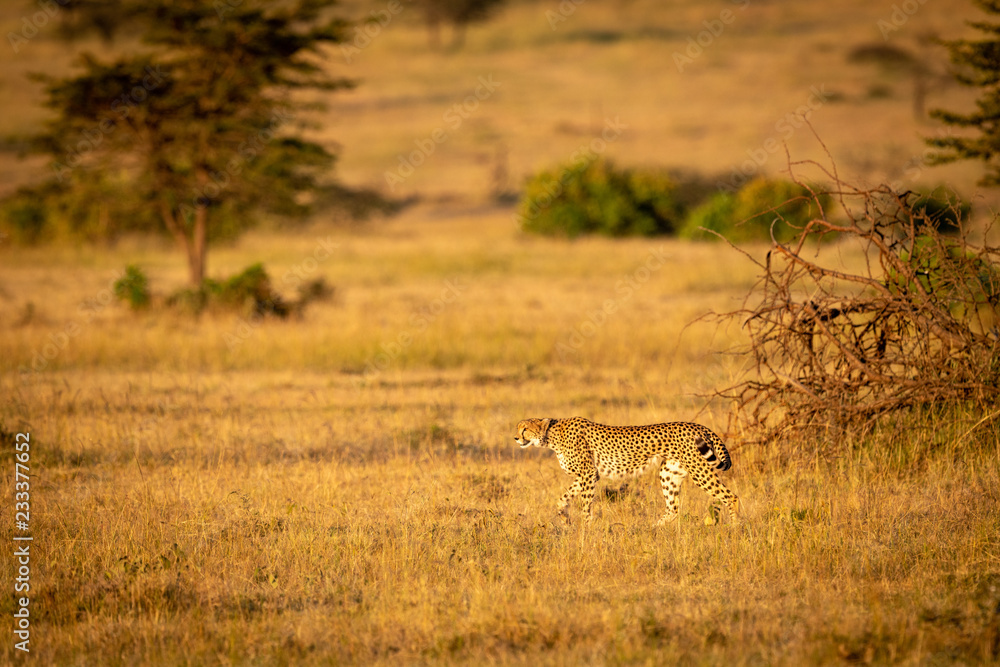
201	120
978	63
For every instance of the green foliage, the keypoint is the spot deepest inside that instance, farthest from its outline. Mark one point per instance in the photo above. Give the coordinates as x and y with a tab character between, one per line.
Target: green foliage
753	211
133	288
595	196
23	217
977	64
87	206
940	209
249	292
251	289
104	17
964	281
98	207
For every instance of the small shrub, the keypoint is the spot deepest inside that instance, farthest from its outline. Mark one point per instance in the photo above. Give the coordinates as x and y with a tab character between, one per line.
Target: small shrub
887	56
133	288
191	300
315	290
939	208
25	218
717	214
249	292
588	197
749	214
945	269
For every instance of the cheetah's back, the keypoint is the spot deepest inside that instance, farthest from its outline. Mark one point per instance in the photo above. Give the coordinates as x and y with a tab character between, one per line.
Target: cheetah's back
630	450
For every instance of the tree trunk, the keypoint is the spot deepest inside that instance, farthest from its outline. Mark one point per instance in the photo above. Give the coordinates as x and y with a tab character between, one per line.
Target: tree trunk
197	257
197	249
176	228
193	247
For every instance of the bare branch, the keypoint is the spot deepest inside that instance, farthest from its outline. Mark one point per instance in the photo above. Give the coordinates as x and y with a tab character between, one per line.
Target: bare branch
837	347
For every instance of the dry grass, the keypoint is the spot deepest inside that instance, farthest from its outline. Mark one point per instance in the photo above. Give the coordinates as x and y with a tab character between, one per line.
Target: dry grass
271	505
231	492
471	292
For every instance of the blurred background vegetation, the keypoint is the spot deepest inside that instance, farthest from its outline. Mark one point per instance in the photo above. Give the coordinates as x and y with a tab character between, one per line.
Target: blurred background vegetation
405	123
191	122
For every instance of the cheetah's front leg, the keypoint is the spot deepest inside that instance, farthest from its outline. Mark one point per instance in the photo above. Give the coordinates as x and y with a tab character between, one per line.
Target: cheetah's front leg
671	477
584	487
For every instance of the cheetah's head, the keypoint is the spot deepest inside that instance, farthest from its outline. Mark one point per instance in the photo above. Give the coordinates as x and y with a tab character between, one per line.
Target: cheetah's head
533	432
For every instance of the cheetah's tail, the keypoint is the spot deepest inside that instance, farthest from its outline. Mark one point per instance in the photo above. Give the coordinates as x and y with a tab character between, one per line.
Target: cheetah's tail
714	452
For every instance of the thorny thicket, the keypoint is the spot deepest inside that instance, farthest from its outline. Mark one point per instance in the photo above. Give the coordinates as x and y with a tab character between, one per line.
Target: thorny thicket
914	326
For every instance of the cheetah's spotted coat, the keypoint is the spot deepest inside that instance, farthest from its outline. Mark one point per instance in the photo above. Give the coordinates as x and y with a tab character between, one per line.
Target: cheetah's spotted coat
590	451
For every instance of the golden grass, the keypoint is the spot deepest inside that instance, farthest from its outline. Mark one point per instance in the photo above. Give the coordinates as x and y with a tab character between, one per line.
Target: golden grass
323	491
271	504
426	279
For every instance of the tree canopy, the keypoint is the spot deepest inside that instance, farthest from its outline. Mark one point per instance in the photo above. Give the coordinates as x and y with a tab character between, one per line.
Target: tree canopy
978	63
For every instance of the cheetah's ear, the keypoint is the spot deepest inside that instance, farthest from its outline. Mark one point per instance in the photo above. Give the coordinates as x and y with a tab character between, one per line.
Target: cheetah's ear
546	425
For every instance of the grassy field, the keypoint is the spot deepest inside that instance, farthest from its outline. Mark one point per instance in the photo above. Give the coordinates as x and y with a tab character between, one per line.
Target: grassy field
343	488
278	500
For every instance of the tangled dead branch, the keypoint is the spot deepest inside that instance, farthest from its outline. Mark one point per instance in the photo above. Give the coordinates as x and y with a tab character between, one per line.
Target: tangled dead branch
872	309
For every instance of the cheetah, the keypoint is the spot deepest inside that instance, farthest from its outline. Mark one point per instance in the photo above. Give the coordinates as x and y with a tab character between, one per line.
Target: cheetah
590	451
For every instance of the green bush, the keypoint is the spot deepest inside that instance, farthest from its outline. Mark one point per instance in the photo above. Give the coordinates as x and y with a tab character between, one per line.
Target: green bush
939	208
133	288
952	274
748	214
594	196
248	292
24	218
